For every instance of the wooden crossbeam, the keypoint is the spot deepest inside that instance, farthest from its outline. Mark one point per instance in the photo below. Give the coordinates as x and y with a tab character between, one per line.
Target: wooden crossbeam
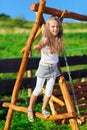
39	115
57	12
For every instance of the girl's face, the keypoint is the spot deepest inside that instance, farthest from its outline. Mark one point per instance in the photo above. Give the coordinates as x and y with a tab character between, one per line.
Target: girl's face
54	27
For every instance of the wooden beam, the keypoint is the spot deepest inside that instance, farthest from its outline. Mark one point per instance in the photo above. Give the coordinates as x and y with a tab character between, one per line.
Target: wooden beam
68	102
57	12
37	114
52	107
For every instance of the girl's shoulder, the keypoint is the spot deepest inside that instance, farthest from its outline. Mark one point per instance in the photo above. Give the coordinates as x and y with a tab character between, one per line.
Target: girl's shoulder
44	39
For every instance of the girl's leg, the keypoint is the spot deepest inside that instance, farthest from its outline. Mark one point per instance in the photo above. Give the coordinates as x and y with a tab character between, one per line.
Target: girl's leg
49	90
50	86
32	102
30	108
37	90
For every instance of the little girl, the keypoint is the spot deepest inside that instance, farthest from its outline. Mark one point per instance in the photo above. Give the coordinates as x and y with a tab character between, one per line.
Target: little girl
50	45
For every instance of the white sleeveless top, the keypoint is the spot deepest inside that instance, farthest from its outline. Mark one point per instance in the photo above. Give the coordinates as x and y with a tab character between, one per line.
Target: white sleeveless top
47	57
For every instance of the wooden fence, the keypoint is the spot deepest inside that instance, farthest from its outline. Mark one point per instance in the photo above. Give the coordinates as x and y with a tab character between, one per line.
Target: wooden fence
12	66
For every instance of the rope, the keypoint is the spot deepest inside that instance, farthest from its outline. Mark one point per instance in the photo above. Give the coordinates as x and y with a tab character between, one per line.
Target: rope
70	78
72	86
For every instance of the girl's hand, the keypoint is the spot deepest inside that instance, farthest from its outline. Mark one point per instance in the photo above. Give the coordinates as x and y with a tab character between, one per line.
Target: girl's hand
37	47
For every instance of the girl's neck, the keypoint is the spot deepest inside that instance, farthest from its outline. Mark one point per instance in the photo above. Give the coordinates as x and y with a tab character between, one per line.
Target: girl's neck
56	39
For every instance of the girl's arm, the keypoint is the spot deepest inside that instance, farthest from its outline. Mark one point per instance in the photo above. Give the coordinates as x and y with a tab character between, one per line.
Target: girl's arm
37	47
40	45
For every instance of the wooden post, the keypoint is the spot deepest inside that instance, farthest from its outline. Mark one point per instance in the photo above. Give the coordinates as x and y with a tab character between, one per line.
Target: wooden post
68	102
23	65
29	74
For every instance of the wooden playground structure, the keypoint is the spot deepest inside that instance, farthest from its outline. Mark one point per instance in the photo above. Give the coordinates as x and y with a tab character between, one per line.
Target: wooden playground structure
67	101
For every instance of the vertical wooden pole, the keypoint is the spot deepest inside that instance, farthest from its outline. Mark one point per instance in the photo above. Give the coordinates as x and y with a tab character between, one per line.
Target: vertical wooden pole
68	102
29	74
23	64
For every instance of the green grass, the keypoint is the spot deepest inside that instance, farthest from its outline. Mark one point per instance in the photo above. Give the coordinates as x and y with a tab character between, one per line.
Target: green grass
11	44
16	22
78	25
75	43
21	123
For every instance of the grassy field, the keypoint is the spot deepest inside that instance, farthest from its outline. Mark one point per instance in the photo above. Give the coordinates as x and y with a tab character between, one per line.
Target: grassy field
14	34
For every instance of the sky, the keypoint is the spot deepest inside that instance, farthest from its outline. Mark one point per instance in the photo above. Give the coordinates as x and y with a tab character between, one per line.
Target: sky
21	8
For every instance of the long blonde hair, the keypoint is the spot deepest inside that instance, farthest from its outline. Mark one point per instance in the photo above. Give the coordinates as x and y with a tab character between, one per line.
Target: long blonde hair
50	38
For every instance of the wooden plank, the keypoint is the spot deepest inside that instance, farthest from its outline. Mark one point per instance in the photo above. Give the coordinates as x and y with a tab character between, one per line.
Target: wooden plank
79	96
83	107
84	114
80	89
7	85
74	60
78	74
21	100
39	115
13	64
78	84
82	101
9	65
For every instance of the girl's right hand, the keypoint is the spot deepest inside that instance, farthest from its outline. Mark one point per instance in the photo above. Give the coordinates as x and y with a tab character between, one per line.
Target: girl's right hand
37	47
